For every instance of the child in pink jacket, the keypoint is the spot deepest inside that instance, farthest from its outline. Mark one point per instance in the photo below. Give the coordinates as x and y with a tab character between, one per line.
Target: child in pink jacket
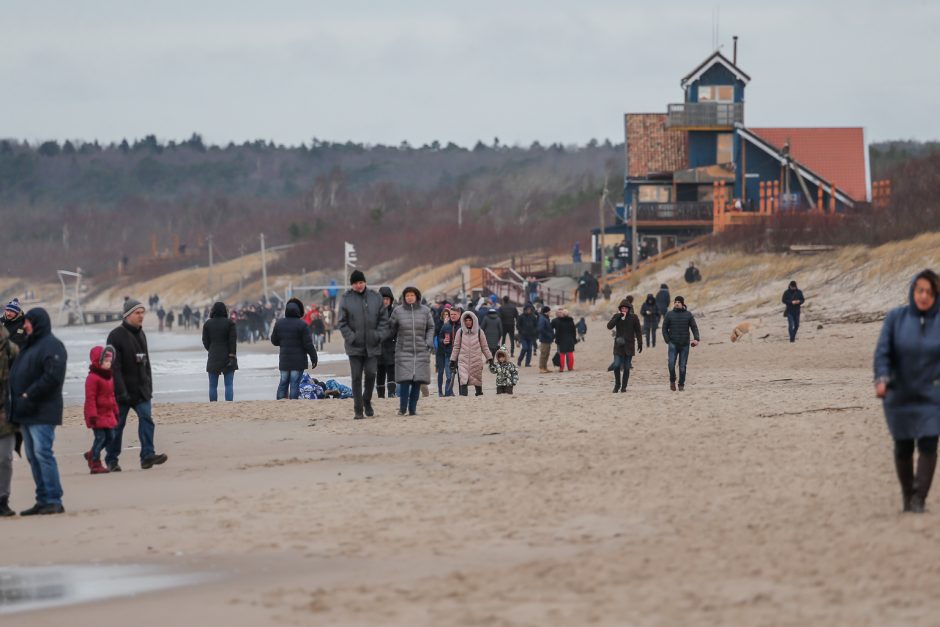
101	410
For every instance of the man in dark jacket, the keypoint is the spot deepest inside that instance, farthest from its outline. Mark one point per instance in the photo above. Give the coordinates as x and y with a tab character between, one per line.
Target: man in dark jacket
36	406
546	337
133	386
492	327
663	300
220	339
528	327
679	329
385	370
13	321
508	314
362	320
292	335
793	300
9	434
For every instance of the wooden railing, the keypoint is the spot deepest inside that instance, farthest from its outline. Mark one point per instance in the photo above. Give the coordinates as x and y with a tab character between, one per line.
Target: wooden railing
704	114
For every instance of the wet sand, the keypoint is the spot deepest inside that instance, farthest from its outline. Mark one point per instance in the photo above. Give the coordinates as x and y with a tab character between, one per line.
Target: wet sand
763	495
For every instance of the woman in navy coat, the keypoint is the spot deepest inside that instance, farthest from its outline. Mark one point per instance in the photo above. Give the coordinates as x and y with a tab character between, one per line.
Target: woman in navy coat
907	377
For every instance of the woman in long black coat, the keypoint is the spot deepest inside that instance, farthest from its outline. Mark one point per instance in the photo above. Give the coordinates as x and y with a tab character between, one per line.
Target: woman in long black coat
220	338
627	333
566	336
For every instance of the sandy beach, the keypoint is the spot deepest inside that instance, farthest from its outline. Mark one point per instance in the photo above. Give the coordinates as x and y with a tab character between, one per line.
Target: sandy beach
763	495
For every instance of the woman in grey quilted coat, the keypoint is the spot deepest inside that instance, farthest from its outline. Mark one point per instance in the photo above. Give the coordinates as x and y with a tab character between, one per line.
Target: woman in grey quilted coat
413	327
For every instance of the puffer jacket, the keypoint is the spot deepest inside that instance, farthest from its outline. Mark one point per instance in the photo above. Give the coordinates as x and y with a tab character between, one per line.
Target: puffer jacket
907	357
528	324
414	327
492	326
101	408
506	373
39	372
293	337
362	321
679	327
470	351
662	300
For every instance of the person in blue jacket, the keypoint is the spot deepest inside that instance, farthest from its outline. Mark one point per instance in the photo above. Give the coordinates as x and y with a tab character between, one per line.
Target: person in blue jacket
907	378
546	337
36	380
793	300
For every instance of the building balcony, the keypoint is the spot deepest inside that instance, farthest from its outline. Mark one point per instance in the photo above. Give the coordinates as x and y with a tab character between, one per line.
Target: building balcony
704	115
673	211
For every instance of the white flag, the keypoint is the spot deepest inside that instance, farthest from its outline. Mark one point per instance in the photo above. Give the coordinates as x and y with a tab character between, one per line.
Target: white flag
351	258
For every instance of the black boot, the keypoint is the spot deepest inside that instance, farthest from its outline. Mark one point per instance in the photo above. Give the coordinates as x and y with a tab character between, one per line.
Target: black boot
926	465
616	380
626	379
905	469
380	390
392	389
5	508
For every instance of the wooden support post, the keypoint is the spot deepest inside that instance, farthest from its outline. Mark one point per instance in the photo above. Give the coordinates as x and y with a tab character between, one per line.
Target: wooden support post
763	200
819	198
832	198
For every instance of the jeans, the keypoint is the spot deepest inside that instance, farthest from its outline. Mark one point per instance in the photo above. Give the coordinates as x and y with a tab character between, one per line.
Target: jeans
525	351
292	378
408	393
359	366
445	377
229	380
103	438
682	354
145	430
512	341
7	444
545	351
793	324
37	440
621	367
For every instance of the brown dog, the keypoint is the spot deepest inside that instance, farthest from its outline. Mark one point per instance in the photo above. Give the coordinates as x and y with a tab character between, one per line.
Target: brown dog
743	329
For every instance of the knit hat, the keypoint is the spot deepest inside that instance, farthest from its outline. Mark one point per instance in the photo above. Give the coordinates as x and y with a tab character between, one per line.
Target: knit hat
494	299
679	299
14	306
357	276
131	305
546	309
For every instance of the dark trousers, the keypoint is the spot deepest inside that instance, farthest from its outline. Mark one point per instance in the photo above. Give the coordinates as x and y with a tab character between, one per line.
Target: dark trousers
504	389
359	366
650	324
680	354
464	390
408	393
512	342
385	376
621	369
525	350
793	324
444	376
905	448
103	438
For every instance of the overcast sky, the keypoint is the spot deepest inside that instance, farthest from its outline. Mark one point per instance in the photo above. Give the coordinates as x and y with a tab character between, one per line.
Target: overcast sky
383	72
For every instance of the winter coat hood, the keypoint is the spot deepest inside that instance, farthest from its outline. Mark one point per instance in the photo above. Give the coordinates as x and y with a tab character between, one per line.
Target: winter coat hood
42	325
219	310
294	309
625	303
472	316
416	292
97	356
501	351
386	292
910	299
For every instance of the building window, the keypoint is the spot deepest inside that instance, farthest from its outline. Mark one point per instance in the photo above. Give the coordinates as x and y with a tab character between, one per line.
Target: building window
654	193
725	148
716	93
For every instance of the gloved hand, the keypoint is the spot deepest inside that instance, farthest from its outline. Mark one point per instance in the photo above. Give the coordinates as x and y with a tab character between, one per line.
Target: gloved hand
489	361
640	349
453	366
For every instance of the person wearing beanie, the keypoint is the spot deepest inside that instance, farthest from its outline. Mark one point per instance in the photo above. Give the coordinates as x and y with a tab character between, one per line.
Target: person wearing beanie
363	321
792	301
13	322
680	333
546	334
133	386
36	380
385	370
10	438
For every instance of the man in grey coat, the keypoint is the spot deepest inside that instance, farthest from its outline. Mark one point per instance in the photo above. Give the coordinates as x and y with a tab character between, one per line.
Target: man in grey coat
363	322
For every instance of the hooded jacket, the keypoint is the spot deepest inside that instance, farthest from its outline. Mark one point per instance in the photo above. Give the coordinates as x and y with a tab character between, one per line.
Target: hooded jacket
506	373
292	335
650	310
508	314
220	337
528	323
546	330
362	321
787	299
101	408
388	344
413	326
8	353
470	351
663	300
908	357
39	372
627	328
133	380
679	327
492	326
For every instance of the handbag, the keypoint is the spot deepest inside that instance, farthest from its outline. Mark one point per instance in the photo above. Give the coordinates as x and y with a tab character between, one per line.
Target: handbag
556	360
620	342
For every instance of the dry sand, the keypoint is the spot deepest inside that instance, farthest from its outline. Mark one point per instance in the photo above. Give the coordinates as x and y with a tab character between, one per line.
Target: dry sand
763	495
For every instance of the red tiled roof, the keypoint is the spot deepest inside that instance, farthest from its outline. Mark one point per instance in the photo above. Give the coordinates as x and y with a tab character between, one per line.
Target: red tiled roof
836	154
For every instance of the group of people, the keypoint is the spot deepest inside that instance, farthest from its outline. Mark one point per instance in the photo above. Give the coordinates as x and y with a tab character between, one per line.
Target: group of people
32	372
